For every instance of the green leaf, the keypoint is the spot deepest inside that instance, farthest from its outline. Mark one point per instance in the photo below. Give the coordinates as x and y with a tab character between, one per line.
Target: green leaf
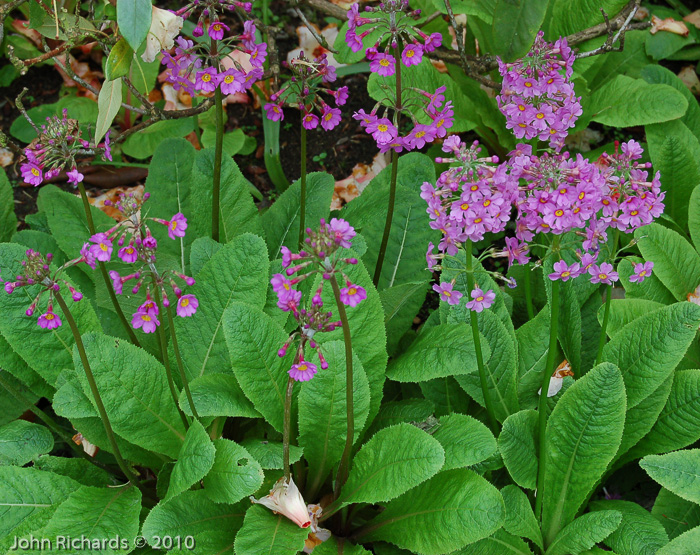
395	460
401	303
212	525
98	514
569	16
685	544
218	395
651	288
253	340
497	544
339	546
264	532
75	468
583	434
626	311
406	410
28	498
8	220
639	533
46	352
109	101
22	441
516	443
195	459
678	472
648	350
446	395
244	281
269	453
445	350
515	25
134	389
482	9
677	515
520	520
674	151
235	473
203	249
134	19
693	217
282	220
233	141
119	61
466	441
143	144
652	103
584	532
323	413
461	507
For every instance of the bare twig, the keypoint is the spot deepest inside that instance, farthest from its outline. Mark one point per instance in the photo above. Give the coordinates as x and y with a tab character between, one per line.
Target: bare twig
20	106
608	45
328	8
319	38
46	55
430	18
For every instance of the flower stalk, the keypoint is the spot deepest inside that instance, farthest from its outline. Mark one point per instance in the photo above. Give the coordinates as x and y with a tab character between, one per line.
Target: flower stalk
302	210
180	365
286	432
608	300
218	150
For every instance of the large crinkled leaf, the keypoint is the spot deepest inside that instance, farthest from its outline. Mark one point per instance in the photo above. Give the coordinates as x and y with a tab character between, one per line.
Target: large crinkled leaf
401	303
195	459
269	454
647	350
625	311
333	546
694	217
212	525
445	350
674	152
584	532
676	263
676	515
651	103
533	344
520	519
497	544
482	9
516	443
8	220
461	507
282	220
237	273
203	249
76	468
22	441
406	410
98	514
515	25
47	352
631	61
134	389
639	533
217	395
235	473
323	412
583	434
466	441
27	381
264	532
685	544
13	408
678	472
253	341
395	460
569	16
446	395
28	498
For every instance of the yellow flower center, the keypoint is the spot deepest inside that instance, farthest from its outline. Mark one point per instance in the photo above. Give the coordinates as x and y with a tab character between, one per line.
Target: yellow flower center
487	203
581	195
383	127
440	122
606	202
146	318
539	115
217	26
550	81
184	302
474	187
479	299
642	273
634	212
464	206
419	134
521	107
559	213
206	77
302	367
410	54
129	250
328	116
447	293
35	172
103	247
603	276
565	274
477	221
528	84
384	62
229	79
173	225
49	316
352	291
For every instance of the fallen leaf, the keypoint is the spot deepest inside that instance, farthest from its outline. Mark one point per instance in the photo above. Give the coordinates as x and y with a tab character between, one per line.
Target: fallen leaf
351	187
690	79
6	157
311	47
669	24
693	18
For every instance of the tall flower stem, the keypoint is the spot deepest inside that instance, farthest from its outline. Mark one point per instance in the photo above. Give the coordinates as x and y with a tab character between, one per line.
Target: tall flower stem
394	173
286	431
95	392
542	407
218	150
180	365
51	423
166	360
103	271
302	209
488	401
528	294
344	466
608	300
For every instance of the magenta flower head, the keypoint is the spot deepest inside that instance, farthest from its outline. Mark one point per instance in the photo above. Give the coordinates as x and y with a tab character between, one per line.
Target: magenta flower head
117	282
330	118
447	293
74	177
353	294
303	371
342	231
32	173
128	254
481	300
274	112
177	226
412	54
187	305
603	273
564	272
49	321
148	323
383	64
216	30
207	80
641	272
309	121
101	248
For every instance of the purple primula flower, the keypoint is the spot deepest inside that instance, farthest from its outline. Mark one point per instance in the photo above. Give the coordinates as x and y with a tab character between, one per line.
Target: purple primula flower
420	135
216	30
144	321
303	371
32	173
274	112
101	248
481	300
412	54
207	80
341	96
353	294
232	81
564	272
330	118
74	176
177	226
128	254
310	121
383	64
49	321
187	305
382	130
603	273
117	282
641	272
342	231
447	293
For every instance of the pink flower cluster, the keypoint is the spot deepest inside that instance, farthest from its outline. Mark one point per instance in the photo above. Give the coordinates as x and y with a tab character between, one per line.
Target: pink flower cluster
56	148
386	134
397	28
37	272
321	256
185	65
136	243
537	96
481	299
304	90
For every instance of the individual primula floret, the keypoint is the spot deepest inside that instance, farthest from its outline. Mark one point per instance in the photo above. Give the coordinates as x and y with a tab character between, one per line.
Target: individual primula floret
481	300
186	64
321	256
537	96
641	272
306	90
56	148
137	245
38	274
